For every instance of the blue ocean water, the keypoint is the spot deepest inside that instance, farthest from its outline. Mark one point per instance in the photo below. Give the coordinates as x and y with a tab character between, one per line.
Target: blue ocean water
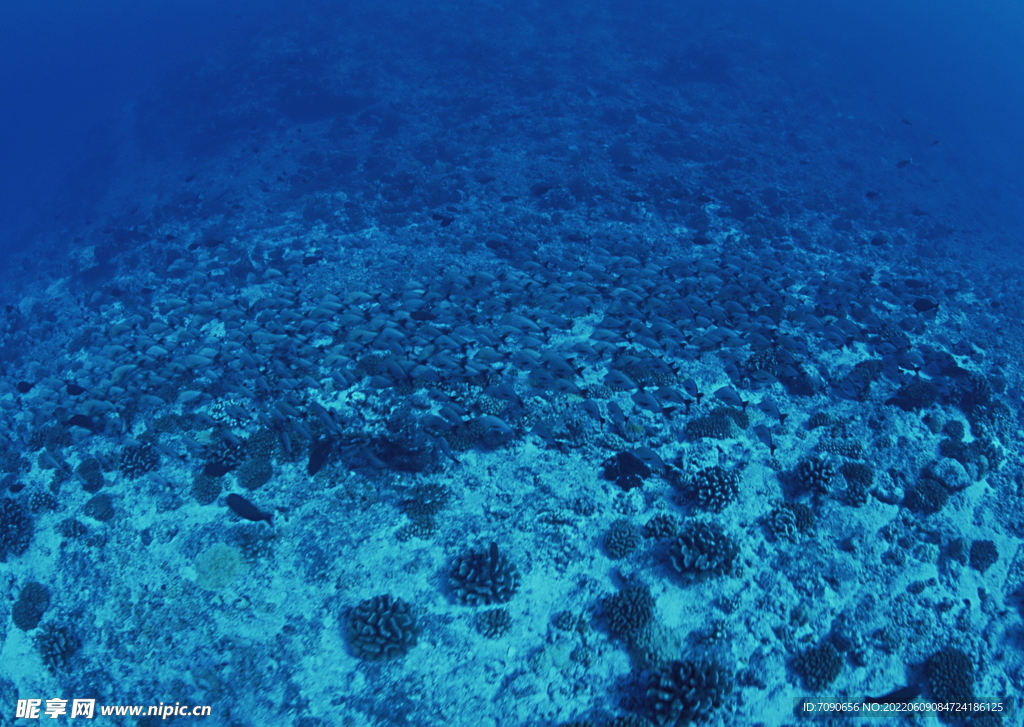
511	364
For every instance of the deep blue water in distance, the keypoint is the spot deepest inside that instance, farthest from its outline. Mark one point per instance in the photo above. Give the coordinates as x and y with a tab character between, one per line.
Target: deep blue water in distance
76	72
511	364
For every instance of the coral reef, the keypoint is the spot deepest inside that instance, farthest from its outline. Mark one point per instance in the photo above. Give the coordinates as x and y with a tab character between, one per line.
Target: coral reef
56	645
382	628
703	549
628	611
484	577
714	488
621	539
818	666
16	528
138	460
983	554
29	609
626	470
687	691
493	623
815	475
950	679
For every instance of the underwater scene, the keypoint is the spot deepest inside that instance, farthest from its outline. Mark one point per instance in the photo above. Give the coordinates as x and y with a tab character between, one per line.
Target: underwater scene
584	363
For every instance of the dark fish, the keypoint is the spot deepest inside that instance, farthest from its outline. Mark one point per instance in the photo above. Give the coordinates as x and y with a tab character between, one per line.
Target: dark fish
286	442
765	435
560	367
434	425
81	420
563	386
618	380
442	444
324	416
647	401
23	387
756	339
763	377
230	437
903	163
767	406
911	360
922	305
650	458
670	395
591	407
75	389
615	413
423	314
505	393
243	508
287	409
729	396
495	431
690	387
319	453
901	695
546	435
217	469
452	412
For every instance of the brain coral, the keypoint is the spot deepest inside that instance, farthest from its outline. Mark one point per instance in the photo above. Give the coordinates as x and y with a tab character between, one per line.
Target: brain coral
621	539
687	691
703	549
382	628
662	525
628	611
484	577
815	475
715	487
139	459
